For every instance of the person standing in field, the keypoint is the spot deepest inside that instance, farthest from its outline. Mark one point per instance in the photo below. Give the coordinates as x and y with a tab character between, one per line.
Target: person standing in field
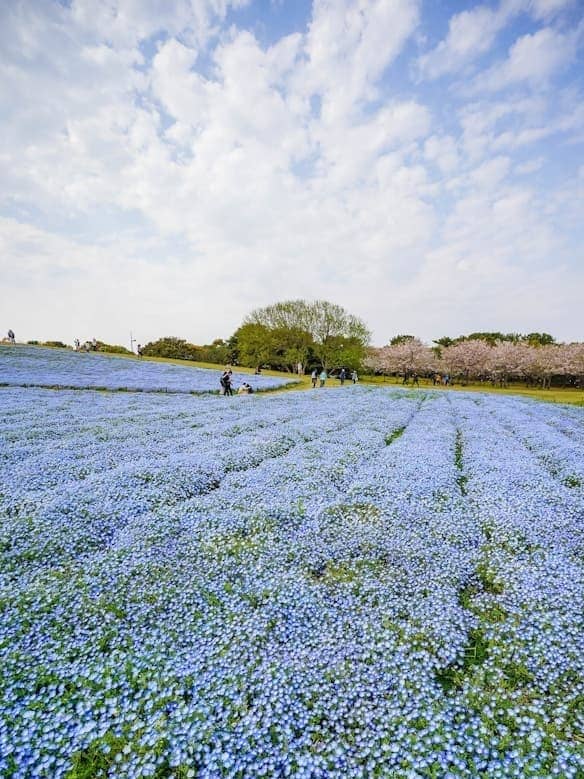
342	376
354	377
225	381
11	336
323	377
314	377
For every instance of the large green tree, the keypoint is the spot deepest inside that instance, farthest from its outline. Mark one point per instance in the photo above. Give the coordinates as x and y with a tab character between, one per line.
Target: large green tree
256	345
303	328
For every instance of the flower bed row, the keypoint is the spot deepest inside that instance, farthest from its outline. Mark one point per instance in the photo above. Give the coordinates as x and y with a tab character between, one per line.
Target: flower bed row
340	584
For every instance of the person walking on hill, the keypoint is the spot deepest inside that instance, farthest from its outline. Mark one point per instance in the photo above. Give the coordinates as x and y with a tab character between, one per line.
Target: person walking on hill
323	377
354	377
342	376
314	377
11	336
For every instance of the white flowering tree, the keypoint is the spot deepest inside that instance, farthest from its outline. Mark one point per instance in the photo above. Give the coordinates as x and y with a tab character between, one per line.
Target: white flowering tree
405	358
466	359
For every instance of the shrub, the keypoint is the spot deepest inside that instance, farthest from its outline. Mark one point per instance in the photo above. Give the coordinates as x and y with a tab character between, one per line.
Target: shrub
171	347
112	348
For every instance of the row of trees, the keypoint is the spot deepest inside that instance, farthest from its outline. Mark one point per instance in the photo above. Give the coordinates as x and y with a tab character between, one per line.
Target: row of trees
282	336
477	359
219	351
492	338
324	335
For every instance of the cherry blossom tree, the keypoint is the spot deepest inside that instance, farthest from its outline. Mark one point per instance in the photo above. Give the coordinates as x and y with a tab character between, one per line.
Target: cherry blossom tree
479	359
573	359
466	359
405	358
507	360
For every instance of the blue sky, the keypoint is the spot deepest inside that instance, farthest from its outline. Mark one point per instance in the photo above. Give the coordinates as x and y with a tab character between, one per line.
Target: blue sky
168	165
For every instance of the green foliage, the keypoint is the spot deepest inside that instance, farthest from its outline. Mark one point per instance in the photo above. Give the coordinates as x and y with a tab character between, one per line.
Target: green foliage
474	654
517	675
112	348
313	333
389	439
539	339
171	347
462	478
97	759
55	344
256	345
219	351
401	339
533	339
488	580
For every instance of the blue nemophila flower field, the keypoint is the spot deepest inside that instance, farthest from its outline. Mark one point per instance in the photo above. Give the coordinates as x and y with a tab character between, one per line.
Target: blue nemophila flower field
352	583
38	367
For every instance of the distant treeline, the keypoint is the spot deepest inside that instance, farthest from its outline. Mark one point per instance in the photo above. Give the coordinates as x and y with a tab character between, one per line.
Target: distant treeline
100	346
533	339
536	359
282	336
219	352
281	347
318	334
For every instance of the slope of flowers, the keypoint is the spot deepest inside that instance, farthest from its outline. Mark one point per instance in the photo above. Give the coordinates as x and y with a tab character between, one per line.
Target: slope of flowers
28	366
357	583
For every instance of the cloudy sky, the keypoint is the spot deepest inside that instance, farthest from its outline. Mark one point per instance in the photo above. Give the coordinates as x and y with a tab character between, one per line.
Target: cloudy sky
168	165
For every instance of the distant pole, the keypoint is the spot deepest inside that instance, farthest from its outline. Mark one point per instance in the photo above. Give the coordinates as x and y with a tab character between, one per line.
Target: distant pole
132	341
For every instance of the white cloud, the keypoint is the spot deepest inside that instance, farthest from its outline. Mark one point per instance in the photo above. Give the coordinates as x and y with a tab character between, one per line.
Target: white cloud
491	174
470	34
145	184
533	58
495	126
545	9
531	166
443	152
349	45
124	23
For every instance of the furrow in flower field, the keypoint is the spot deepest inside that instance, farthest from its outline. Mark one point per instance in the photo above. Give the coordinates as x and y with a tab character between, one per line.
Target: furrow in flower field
561	455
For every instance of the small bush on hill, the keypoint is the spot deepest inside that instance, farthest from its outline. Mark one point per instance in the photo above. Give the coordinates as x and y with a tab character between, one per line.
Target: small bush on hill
171	347
112	348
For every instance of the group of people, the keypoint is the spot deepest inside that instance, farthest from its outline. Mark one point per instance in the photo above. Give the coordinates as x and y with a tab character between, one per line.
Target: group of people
315	376
226	384
88	346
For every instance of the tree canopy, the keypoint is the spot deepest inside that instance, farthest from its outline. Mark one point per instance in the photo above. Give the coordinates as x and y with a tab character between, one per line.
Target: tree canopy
300	331
492	338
